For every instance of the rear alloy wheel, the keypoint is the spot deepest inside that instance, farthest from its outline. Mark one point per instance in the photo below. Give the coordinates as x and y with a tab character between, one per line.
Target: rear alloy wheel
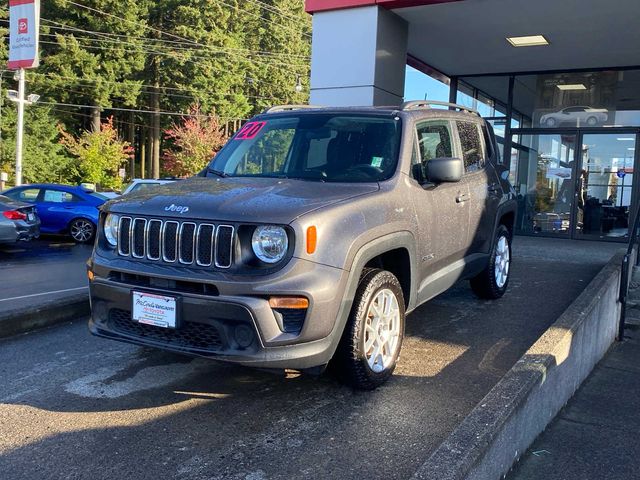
370	345
492	282
82	230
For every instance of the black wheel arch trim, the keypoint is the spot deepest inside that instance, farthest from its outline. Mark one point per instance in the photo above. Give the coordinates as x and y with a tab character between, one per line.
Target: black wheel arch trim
372	249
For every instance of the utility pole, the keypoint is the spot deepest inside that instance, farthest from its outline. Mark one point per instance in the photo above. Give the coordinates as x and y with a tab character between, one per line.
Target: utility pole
24	26
20	133
18	97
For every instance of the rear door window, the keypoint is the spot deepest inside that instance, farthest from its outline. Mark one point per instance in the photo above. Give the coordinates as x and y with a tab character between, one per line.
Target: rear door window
25	195
59	196
473	153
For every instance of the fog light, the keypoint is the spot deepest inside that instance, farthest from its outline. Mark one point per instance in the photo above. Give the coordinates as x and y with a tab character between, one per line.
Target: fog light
244	336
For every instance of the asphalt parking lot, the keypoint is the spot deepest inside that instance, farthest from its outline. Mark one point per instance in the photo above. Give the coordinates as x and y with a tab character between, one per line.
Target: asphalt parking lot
73	406
45	269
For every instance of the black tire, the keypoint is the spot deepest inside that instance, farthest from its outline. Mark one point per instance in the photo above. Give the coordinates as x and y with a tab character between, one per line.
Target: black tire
350	361
82	230
487	284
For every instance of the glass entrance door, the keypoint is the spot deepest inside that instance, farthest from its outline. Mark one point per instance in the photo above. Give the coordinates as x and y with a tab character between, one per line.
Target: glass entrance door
545	179
605	190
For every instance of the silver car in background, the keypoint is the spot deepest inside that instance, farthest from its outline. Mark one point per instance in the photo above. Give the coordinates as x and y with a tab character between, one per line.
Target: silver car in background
18	221
575	116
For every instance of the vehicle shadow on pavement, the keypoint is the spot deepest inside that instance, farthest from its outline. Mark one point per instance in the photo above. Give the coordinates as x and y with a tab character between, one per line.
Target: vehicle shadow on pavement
103	409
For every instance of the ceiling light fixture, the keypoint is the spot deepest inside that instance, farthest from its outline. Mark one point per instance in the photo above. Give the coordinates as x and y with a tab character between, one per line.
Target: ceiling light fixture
528	41
571	86
625	139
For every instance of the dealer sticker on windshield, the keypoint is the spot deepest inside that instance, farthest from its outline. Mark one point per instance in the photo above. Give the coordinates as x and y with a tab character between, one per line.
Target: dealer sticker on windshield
156	310
250	130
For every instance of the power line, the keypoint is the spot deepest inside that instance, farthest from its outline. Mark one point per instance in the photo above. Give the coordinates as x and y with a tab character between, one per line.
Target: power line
268	58
265	6
134	110
62	26
274	9
179	54
89	83
119	120
153	29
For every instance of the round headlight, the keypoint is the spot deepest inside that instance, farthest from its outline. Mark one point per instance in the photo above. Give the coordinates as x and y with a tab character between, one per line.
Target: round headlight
270	243
111	229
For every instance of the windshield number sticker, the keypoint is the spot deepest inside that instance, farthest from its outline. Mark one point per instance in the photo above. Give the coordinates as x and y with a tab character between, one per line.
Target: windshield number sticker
377	162
250	130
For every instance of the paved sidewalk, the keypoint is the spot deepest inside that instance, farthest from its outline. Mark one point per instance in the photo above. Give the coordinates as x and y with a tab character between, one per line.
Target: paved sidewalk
596	435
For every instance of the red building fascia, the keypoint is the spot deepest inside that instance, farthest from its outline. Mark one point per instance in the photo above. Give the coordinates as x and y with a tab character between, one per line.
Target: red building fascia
323	5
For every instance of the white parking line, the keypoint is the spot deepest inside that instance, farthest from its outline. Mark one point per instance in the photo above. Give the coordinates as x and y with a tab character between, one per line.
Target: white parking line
45	293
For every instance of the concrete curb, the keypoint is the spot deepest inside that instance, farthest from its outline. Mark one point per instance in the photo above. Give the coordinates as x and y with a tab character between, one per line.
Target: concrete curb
509	418
16	321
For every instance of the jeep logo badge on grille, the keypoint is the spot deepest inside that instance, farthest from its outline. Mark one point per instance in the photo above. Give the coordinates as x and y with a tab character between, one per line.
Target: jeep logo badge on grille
176	208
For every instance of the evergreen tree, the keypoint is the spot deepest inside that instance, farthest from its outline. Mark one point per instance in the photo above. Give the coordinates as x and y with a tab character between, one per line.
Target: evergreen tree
80	66
44	159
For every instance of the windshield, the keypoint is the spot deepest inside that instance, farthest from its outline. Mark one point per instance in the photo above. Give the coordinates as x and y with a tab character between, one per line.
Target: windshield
321	147
142	186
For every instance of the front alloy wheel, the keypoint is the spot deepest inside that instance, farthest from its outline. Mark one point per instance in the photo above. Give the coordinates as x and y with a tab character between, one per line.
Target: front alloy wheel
371	342
82	230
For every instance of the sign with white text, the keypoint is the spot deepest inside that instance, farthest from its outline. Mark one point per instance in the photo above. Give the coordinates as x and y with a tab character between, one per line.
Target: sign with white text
24	33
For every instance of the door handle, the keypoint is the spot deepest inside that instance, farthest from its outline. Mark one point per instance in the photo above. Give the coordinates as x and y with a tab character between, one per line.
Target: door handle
461	198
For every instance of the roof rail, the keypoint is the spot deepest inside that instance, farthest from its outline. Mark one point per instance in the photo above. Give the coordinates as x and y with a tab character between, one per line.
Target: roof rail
286	108
416	104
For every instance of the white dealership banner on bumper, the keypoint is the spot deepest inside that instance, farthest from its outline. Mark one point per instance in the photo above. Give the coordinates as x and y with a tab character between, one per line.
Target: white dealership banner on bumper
24	28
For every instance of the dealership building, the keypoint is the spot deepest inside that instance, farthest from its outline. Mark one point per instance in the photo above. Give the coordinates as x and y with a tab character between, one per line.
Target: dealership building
558	80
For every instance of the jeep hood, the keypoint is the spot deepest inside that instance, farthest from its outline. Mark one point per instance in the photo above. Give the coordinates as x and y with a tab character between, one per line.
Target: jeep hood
254	200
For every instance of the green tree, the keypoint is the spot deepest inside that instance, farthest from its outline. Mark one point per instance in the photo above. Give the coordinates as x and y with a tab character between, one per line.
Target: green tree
287	33
99	155
44	159
81	66
194	142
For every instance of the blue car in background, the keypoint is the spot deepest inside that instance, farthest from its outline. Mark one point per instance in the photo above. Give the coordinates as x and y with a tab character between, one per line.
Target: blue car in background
62	208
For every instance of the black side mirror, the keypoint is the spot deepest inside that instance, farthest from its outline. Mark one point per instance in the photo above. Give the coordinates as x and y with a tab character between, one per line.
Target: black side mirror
440	170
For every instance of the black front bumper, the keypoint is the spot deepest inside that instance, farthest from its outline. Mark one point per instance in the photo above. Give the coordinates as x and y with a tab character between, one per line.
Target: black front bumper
209	327
218	327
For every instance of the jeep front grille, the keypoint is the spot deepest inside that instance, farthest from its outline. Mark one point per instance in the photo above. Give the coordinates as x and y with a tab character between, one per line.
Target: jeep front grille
187	243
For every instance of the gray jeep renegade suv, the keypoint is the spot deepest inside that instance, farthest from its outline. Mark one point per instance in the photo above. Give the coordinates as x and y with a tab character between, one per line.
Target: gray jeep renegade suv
308	238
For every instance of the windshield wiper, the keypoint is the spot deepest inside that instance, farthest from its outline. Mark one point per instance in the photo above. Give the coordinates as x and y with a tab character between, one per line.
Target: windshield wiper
218	173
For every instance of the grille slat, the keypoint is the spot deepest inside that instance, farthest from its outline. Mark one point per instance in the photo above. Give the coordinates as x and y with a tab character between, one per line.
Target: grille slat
124	236
171	241
139	237
153	239
204	253
224	246
187	242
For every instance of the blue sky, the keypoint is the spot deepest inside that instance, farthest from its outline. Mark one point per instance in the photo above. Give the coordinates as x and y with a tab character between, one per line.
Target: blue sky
417	85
